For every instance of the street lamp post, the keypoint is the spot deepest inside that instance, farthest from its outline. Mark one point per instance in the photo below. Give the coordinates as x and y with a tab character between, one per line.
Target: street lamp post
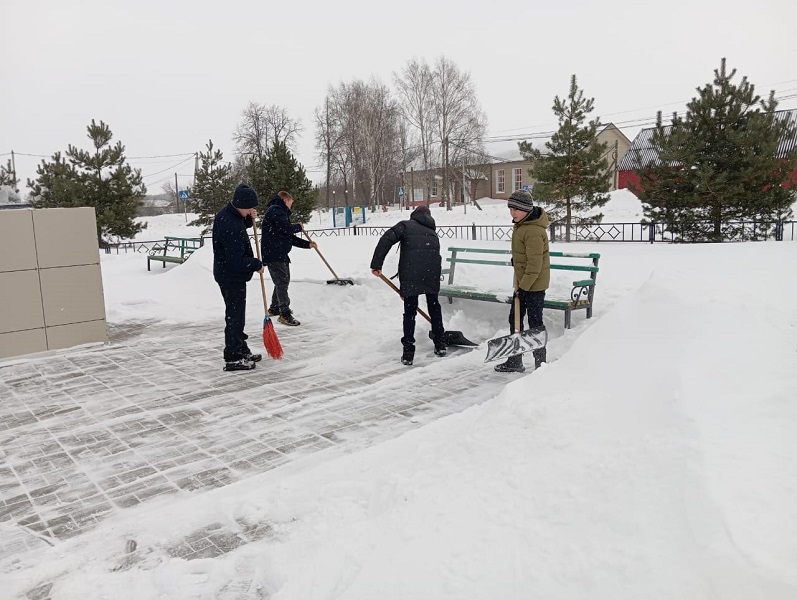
334	208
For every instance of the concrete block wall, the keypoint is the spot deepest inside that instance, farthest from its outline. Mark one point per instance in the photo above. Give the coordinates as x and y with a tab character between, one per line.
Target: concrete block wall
51	293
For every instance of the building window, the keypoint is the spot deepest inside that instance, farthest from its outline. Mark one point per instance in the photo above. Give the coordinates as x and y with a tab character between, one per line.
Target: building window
433	190
500	182
517	179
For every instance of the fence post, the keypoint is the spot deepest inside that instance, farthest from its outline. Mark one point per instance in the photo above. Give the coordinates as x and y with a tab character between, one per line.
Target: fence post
553	232
355	228
473	231
779	231
652	232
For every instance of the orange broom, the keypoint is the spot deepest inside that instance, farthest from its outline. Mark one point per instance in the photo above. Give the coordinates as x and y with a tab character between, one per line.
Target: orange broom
270	339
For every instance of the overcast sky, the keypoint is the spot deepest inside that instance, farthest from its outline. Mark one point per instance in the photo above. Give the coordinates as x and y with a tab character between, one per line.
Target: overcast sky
168	75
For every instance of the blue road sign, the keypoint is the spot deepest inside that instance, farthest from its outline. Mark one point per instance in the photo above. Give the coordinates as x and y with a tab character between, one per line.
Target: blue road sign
401	190
183	194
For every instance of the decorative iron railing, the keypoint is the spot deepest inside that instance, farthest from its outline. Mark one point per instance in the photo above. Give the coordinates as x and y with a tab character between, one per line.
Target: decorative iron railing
602	232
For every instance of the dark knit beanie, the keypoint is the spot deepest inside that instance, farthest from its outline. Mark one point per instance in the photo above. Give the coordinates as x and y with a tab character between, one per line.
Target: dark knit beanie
244	197
521	200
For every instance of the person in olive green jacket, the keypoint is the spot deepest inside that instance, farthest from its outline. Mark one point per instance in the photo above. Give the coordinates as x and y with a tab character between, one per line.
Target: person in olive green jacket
532	263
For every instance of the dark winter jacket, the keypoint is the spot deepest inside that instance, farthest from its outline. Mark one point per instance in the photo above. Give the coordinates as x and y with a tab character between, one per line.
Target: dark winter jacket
530	255
420	260
233	260
278	236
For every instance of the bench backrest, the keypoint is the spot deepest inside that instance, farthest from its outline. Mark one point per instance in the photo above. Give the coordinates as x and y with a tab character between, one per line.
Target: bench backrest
494	253
186	246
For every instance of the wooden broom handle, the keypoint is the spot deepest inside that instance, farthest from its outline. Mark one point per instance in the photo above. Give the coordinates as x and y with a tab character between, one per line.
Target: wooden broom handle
398	291
257	249
321	255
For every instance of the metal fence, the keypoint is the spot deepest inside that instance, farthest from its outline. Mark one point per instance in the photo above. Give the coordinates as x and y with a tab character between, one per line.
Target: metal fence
603	232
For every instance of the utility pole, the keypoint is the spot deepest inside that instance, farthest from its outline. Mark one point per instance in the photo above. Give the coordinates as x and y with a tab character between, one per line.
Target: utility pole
412	185
14	172
464	200
329	150
445	174
176	194
614	160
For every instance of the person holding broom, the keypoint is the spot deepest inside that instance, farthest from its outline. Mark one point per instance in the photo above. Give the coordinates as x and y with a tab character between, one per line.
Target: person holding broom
277	238
233	266
532	264
419	273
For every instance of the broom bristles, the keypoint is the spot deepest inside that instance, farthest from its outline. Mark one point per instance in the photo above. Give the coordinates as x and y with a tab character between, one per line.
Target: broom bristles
270	340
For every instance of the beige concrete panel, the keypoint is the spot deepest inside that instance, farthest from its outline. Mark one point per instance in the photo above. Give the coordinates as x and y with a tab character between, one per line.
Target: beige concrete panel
66	336
17	244
20	301
66	236
17	343
72	295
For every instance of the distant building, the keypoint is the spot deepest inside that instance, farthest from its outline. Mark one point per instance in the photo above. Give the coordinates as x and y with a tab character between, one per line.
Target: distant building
642	154
500	178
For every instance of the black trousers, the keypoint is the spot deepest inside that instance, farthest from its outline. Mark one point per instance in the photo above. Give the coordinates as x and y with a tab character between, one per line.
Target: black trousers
531	304
435	313
280	273
234	295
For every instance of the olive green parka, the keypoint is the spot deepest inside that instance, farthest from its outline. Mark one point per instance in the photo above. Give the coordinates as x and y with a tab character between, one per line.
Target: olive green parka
530	254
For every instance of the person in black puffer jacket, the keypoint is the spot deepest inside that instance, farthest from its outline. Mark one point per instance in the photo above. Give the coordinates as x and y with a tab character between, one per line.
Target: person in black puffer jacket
279	236
233	265
419	273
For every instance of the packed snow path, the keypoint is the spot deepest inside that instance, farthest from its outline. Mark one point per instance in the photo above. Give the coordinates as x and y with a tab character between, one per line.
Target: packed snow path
88	432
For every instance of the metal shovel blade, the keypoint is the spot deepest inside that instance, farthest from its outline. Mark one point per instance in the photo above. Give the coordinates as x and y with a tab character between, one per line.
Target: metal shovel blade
340	282
455	338
515	343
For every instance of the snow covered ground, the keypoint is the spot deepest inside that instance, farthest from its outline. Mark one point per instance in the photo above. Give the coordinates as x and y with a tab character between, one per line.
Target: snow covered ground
654	457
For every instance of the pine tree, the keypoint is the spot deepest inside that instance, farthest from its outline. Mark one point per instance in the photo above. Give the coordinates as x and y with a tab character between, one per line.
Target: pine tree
281	171
214	186
56	185
719	164
573	175
8	177
101	179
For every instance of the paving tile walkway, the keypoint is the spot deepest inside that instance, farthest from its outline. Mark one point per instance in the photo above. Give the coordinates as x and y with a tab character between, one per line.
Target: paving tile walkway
89	432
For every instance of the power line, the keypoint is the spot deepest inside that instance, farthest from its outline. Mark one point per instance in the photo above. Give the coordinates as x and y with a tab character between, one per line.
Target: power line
641	121
160	156
168	168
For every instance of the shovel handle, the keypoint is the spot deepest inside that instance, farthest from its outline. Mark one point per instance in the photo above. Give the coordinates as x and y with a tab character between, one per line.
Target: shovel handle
321	255
517	312
398	291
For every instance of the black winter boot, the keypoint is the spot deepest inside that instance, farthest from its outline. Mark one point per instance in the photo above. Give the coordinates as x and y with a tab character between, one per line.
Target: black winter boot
440	347
242	364
408	355
514	364
540	356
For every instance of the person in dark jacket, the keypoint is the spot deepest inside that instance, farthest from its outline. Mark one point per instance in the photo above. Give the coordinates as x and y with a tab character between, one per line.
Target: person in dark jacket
419	273
279	236
233	265
532	264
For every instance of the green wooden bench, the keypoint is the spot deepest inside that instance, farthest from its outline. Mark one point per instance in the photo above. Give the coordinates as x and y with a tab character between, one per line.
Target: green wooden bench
173	250
581	295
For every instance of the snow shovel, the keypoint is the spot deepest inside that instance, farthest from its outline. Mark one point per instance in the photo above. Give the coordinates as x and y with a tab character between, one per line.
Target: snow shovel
452	338
519	342
337	280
